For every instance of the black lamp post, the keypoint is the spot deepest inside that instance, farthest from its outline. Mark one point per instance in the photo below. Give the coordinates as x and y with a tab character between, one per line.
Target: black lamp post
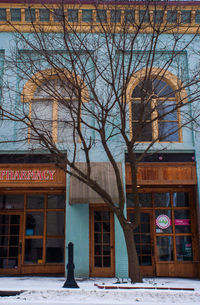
70	282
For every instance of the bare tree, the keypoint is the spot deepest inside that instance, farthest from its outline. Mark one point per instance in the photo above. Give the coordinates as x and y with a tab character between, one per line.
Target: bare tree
100	85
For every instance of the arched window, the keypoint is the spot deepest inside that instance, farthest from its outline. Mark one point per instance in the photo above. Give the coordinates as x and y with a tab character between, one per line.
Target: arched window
154	112
53	111
54	105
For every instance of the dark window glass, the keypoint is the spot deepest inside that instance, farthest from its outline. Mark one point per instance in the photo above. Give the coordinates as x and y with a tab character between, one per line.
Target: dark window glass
2	14
182	221
158	16
101	16
98	261
35	201
144	132
44	14
172	16
87	15
55	223
143	89
11	201
181	199
115	16
162	89
144	200
167	110
15	14
56	201
168	131
55	250
141	111
163	221
29	14
58	15
185	17
72	15
146	260
162	199
33	251
184	248
106	261
165	248
197	17
144	16
34	223
129	16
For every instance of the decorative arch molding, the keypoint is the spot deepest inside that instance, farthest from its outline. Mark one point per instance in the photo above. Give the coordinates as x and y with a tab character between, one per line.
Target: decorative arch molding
171	79
49	74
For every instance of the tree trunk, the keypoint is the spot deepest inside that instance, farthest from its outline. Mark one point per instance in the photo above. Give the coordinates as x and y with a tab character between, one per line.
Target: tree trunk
133	264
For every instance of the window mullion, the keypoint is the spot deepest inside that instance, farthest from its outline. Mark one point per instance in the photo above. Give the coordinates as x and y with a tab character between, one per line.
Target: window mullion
55	120
154	114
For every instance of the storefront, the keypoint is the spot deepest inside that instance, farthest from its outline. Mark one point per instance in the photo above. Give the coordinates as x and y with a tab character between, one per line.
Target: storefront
32	219
167	237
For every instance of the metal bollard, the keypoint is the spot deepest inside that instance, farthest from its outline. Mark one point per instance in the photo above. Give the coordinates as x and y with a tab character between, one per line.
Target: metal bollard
70	282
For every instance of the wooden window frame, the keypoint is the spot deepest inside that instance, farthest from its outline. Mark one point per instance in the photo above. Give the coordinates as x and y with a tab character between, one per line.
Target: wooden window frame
154	116
172	208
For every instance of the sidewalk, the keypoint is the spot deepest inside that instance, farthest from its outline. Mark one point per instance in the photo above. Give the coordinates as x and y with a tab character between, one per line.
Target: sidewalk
48	290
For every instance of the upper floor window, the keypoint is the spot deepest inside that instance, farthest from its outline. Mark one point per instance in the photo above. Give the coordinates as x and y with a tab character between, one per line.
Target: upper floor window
53	112
154	112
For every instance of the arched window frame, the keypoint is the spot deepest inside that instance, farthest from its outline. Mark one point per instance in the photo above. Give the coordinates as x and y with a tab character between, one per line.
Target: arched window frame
171	80
40	77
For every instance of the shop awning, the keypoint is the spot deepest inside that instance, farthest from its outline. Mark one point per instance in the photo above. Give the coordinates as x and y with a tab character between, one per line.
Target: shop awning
104	174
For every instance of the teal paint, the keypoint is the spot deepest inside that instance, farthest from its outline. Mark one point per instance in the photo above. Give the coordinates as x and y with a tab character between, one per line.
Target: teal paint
121	258
77	232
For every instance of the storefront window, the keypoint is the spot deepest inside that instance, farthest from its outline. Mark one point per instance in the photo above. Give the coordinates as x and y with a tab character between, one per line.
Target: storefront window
33	251
34	223
165	248
162	199
184	248
163	221
11	201
180	199
56	201
55	250
182	221
55	223
35	202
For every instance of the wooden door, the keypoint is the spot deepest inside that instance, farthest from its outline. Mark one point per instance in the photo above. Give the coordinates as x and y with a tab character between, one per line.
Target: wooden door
144	241
10	242
102	243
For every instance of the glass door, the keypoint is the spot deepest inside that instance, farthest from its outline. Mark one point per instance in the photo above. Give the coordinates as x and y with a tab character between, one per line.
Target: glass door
10	243
143	236
102	243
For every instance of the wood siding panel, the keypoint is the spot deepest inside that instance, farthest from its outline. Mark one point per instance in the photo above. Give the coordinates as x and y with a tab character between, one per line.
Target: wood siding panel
164	174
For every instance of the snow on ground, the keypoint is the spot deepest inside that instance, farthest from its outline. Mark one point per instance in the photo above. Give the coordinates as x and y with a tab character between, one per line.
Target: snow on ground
45	290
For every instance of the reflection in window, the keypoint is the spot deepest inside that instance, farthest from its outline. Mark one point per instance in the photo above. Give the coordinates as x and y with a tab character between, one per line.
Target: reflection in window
54	112
115	16
165	248
56	201
33	251
162	199
154	111
87	15
184	248
55	250
181	199
34	223
172	16
35	201
55	223
145	200
11	201
182	221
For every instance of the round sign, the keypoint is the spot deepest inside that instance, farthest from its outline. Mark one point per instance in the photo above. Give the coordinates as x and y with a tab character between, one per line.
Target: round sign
163	221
